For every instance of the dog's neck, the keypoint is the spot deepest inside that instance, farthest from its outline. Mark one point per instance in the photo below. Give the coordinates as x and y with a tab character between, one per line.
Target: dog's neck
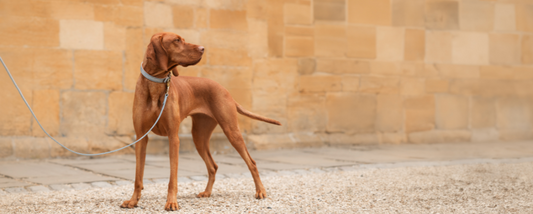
154	70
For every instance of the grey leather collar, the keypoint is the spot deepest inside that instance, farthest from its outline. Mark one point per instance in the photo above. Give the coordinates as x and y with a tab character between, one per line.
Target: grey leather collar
152	78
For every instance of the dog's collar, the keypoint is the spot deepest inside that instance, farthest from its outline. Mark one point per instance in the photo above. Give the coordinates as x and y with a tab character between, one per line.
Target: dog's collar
154	79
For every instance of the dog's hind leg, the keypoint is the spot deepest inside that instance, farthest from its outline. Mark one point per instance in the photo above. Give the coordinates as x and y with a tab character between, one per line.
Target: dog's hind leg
202	128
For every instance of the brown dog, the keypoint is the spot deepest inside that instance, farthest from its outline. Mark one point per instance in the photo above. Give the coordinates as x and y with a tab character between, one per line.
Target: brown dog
207	102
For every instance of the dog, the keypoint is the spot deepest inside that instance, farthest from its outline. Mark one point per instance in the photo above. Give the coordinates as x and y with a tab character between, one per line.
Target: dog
206	101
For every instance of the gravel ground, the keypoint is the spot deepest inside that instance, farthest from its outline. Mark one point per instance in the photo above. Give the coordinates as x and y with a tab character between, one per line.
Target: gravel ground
479	188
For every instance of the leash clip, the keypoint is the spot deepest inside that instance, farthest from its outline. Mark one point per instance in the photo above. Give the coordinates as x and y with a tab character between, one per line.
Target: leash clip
167	81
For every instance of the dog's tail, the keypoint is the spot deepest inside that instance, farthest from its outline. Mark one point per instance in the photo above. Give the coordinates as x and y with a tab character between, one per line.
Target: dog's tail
252	115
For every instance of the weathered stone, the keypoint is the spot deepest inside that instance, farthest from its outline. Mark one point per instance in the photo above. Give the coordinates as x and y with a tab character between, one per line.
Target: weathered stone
393	138
390	43
438	46
183	16
485	135
483	112
297	13
105	144
29	31
389	116
342	66
377	12
39	189
415	41
98	70
225	4
437	85
114	37
524	17
16	119
299	31
527	49
504	17
306	66
419	113
257	38
329	10
29	147
305	113
497	72
350	83
220	56
275	20
120	113
129	16
158	15
46	108
319	83
470	48
408	13
330	40
86	118
228	19
78	144
133	57
412	86
504	48
350	112
458	71
515	135
367	138
442	14
69	10
440	136
476	15
81	34
6	147
361	42
452	112
380	85
201	18
190	36
299	46
512	114
275	77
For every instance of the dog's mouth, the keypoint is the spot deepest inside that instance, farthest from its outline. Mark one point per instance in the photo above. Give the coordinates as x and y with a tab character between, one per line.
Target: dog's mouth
193	63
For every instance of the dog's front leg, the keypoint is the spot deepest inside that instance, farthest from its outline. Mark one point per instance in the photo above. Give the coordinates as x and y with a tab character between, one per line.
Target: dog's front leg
140	156
173	152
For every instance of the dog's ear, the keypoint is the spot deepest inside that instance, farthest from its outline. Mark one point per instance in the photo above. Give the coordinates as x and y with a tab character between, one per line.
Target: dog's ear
160	53
175	71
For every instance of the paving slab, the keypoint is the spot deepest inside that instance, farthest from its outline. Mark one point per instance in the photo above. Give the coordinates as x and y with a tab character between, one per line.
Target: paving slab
184	179
15	190
81	186
60	187
39	189
199	178
267	165
79	178
8	182
101	184
40	169
123	183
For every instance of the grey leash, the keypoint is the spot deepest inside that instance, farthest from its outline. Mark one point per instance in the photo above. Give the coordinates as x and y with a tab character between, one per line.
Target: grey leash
103	153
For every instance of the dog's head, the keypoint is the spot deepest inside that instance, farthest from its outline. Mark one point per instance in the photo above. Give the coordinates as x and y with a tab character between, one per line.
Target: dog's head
168	50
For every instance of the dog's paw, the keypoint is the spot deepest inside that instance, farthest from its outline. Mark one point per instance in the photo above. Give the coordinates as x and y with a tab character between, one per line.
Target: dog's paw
172	206
260	194
129	204
204	195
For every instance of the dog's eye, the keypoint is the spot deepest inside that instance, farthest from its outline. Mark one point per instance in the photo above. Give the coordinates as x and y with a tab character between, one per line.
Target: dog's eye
178	40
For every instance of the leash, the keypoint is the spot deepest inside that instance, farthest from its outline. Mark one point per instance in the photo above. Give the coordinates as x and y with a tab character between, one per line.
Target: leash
103	153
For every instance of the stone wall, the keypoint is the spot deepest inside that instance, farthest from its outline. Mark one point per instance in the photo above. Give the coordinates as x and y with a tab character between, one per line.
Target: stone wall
332	71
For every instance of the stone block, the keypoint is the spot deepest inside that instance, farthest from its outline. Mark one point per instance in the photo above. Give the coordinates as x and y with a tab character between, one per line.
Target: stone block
342	66
17	8
114	37
408	13
419	113
98	70
485	135
183	16
39	189
228	19
393	138
442	14
31	148
350	83
78	144
458	71
133	57
257	38
415	41
87	118
452	111
515	135
258	9
190	36
105	144
504	17
476	15
299	46
101	184
6	147
330	40
524	17
338	138
437	86
361	42
240	78
29	31
220	56
275	20
412	86
201	18
438	46
70	10
497	72
374	12
470	48
120	113
440	136
389	116
301	31
504	48
299	14
512	114
350	112
319	83
483	113
379	85
158	15
129	16
390	43
306	66
305	113
46	108
275	76
527	49
16	119
81	186
225	4
104	13
329	10
81	34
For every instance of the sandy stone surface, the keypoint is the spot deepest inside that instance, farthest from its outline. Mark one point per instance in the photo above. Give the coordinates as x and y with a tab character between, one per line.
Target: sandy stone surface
476	188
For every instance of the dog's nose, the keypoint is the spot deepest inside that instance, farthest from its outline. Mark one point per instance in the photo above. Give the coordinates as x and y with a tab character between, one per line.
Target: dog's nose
201	48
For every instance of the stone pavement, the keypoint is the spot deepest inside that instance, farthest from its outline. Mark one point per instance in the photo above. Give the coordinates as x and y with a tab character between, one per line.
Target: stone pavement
18	176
